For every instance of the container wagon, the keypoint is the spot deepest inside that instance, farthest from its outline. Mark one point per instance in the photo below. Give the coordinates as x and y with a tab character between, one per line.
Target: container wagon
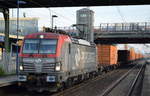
132	55
128	56
107	57
123	57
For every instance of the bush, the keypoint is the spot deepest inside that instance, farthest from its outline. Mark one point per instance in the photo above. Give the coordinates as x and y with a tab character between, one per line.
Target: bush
1	71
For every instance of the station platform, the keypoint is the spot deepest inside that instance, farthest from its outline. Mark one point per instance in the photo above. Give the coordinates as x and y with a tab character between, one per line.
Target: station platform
146	82
8	80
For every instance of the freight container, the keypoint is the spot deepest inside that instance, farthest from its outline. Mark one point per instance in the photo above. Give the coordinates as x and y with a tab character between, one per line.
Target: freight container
107	55
141	56
123	56
132	54
136	56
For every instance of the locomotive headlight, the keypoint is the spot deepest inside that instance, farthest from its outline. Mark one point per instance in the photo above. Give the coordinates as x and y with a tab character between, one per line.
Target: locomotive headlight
21	67
41	36
57	68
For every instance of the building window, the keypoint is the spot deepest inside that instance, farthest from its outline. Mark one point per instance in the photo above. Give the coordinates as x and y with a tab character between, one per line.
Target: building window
83	15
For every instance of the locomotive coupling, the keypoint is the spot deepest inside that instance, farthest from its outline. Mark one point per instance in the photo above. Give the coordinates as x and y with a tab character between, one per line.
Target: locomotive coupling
22	78
51	79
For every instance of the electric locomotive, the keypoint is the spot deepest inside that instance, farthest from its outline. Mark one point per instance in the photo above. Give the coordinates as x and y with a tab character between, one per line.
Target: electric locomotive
51	61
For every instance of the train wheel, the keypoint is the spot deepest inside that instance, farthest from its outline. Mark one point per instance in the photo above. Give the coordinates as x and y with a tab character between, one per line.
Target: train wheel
79	79
69	83
100	72
62	87
106	70
96	74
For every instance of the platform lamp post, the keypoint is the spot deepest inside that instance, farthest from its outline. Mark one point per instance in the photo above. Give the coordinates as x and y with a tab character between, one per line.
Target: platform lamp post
17	57
53	16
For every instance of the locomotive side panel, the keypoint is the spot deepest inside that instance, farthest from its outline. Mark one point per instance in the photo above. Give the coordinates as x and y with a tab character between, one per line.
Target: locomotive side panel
74	58
64	59
88	58
82	59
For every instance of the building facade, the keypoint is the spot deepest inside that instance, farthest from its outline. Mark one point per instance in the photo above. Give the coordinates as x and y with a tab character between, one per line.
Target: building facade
26	26
85	23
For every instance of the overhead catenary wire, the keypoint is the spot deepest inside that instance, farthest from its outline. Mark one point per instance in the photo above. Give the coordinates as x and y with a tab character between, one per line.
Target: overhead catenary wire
68	12
61	15
64	17
48	15
42	6
48	9
120	13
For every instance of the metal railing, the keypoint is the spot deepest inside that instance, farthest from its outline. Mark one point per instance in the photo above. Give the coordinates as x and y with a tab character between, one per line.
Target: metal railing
143	27
136	27
124	27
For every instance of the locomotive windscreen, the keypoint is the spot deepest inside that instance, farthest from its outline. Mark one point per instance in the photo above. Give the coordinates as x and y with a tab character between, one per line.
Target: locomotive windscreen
40	46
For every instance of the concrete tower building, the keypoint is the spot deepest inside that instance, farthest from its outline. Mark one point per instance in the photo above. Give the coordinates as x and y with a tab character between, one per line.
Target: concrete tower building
85	23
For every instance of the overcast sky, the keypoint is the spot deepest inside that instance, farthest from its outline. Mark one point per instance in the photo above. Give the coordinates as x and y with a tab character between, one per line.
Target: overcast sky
103	14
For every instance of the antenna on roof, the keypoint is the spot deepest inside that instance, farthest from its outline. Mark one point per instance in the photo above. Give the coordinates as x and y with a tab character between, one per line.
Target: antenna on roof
24	14
88	7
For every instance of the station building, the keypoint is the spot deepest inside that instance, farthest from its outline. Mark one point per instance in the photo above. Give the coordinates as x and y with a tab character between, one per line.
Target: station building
26	26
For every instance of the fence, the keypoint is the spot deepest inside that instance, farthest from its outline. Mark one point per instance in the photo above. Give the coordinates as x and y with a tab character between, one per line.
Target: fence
114	27
125	27
8	63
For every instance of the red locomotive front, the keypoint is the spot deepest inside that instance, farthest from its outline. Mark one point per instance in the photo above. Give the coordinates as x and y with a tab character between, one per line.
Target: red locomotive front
39	61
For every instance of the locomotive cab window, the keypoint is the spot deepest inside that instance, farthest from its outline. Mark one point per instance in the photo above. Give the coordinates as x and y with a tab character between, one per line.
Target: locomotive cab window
48	46
31	46
42	46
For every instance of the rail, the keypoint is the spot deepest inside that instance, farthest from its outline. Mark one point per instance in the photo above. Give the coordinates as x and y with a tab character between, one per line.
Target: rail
111	87
81	85
135	80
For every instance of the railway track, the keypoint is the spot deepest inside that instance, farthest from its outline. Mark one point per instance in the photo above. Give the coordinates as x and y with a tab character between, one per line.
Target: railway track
91	87
103	80
74	88
127	85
